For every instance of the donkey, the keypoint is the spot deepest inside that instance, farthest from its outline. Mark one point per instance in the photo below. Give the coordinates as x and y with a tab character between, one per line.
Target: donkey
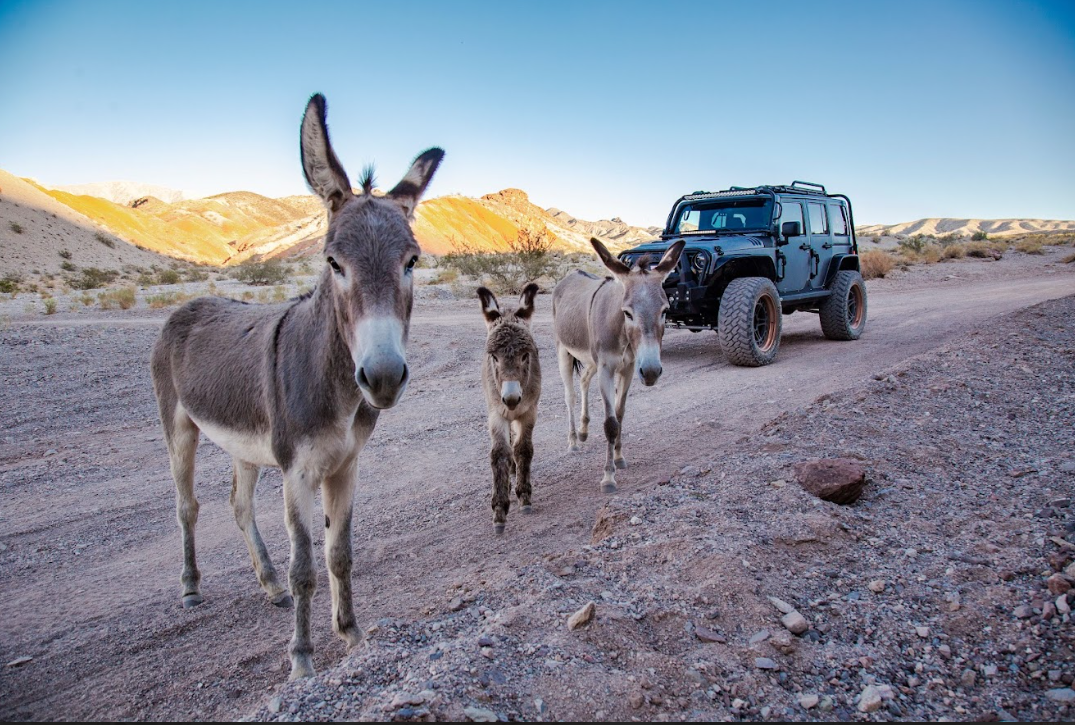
511	378
612	326
298	385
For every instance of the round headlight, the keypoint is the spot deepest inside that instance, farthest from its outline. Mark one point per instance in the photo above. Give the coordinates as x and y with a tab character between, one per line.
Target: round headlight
700	262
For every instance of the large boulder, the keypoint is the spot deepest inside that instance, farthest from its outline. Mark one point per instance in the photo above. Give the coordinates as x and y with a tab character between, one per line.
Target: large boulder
839	480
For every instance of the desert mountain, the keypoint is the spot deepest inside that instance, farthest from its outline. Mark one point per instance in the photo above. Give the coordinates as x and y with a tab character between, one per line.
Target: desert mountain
123	192
966	227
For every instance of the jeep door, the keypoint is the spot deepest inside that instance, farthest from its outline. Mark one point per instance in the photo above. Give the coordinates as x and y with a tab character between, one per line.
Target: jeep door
795	267
841	233
820	243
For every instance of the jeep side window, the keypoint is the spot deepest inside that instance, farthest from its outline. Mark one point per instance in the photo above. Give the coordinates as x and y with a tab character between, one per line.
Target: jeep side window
838	219
793	212
819	223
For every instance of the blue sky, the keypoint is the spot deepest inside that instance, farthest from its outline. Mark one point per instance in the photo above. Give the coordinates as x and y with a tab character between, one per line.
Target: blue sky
913	109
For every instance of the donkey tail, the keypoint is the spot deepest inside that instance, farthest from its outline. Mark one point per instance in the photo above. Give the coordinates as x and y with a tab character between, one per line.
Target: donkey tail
576	365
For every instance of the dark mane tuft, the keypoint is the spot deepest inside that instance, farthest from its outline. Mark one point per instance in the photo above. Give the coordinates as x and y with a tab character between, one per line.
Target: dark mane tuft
367	180
644	262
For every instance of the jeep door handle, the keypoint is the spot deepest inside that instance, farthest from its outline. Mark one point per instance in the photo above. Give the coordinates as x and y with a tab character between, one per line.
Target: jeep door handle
827	245
805	246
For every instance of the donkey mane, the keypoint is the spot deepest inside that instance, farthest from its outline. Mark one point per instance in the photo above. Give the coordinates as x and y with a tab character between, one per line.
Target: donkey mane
368	179
511	338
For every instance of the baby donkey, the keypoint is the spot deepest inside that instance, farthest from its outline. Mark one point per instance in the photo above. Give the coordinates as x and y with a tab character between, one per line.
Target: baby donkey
511	378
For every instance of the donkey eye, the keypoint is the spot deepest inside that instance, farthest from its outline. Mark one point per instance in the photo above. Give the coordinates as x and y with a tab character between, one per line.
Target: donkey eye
628	315
335	266
411	263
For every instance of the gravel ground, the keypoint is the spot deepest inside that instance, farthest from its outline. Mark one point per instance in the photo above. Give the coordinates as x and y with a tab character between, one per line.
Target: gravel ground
925	600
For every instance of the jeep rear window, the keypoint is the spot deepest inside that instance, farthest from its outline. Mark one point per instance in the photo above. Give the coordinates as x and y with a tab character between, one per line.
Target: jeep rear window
819	223
838	220
725	215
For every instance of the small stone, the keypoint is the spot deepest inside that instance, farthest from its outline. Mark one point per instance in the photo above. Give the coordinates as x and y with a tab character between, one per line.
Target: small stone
1058	584
759	636
635	700
826	704
1023	611
989	670
808	702
795	623
945	651
479	714
1061	694
870	699
1055	675
485	641
635	521
20	661
839	480
876	586
782	642
487	653
274	705
968	678
778	483
781	605
582	617
456	604
708	635
764	663
1062	605
1048	611
738	704
922	632
403	699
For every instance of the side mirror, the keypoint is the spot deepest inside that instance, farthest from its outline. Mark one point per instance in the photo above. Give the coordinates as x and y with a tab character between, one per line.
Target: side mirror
791	229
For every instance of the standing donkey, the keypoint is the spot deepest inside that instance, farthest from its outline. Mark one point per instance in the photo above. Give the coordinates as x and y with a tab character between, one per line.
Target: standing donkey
511	378
298	385
614	327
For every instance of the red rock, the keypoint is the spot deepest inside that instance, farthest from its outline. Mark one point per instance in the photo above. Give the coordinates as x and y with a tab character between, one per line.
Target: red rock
839	480
1058	584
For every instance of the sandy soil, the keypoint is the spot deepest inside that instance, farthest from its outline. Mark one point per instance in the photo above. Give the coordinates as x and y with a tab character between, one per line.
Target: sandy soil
89	548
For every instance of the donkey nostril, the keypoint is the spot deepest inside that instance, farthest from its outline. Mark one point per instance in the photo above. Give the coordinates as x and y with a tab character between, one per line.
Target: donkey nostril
362	379
406	372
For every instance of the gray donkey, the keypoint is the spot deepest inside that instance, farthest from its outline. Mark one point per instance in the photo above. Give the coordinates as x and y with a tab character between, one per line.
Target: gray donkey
614	327
511	378
298	385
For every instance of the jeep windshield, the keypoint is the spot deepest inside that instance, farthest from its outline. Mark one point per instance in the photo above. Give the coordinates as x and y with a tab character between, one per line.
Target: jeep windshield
724	216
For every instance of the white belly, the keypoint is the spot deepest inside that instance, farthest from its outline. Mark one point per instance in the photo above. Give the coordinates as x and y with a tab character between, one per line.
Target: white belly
250	447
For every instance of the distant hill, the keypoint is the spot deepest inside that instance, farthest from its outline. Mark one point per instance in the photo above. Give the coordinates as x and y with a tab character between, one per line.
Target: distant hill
966	227
123	192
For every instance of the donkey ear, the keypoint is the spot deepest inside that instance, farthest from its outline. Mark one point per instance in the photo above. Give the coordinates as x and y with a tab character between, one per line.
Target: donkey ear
614	265
323	170
408	192
671	258
490	307
526	302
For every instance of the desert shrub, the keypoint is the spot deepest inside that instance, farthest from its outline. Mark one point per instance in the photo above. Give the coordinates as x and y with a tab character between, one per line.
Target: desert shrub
163	299
979	236
10	283
211	288
123	298
105	240
446	276
279	293
261	273
982	250
93	278
876	240
195	274
949	239
247	295
931	254
876	263
64	254
306	268
67	266
955	251
168	276
86	299
50	305
915	244
1069	259
16	227
1030	246
529	257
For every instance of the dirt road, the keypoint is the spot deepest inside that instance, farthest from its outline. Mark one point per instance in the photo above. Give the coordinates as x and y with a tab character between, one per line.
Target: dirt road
89	547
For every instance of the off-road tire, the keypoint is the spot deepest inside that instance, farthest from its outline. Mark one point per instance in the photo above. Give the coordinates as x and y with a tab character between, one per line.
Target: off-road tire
749	322
843	313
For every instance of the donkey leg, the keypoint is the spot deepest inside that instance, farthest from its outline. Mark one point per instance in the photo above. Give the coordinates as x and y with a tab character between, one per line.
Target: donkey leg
567	374
337	495
607	384
523	451
499	455
298	510
584	389
182	445
243	482
623	384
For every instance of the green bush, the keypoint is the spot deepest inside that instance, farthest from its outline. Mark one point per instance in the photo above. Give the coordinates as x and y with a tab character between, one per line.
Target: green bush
65	254
93	278
10	283
67	266
50	305
265	273
16	227
979	236
195	274
916	244
168	276
529	257
122	298
105	240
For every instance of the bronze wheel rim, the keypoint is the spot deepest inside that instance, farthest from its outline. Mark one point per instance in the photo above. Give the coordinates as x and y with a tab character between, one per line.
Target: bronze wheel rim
856	310
764	323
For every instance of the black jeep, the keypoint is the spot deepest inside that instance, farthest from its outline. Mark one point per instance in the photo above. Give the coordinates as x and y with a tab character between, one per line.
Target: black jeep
753	253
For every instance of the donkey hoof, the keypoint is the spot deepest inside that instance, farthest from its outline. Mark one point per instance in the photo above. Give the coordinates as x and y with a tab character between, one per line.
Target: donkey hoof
301	666
192	600
573	447
527	509
608	487
583	435
621	463
283	600
498	528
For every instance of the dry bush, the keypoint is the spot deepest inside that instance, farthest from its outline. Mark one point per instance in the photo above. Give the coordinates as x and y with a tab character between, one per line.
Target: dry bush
86	299
955	251
16	227
1030	246
1069	259
279	293
261	274
50	305
984	250
529	257
123	298
105	240
168	276
445	276
932	254
876	263
93	278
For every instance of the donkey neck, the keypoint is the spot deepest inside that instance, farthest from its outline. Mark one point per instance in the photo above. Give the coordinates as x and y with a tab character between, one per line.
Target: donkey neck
606	317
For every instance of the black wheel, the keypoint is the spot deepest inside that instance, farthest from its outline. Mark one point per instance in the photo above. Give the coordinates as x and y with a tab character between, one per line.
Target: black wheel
843	313
749	321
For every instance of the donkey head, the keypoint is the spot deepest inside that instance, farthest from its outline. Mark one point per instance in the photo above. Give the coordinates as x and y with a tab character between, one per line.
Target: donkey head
370	253
644	305
510	346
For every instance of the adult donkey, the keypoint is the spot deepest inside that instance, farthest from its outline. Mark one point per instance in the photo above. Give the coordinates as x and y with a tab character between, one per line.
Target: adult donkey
511	379
612	327
298	385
